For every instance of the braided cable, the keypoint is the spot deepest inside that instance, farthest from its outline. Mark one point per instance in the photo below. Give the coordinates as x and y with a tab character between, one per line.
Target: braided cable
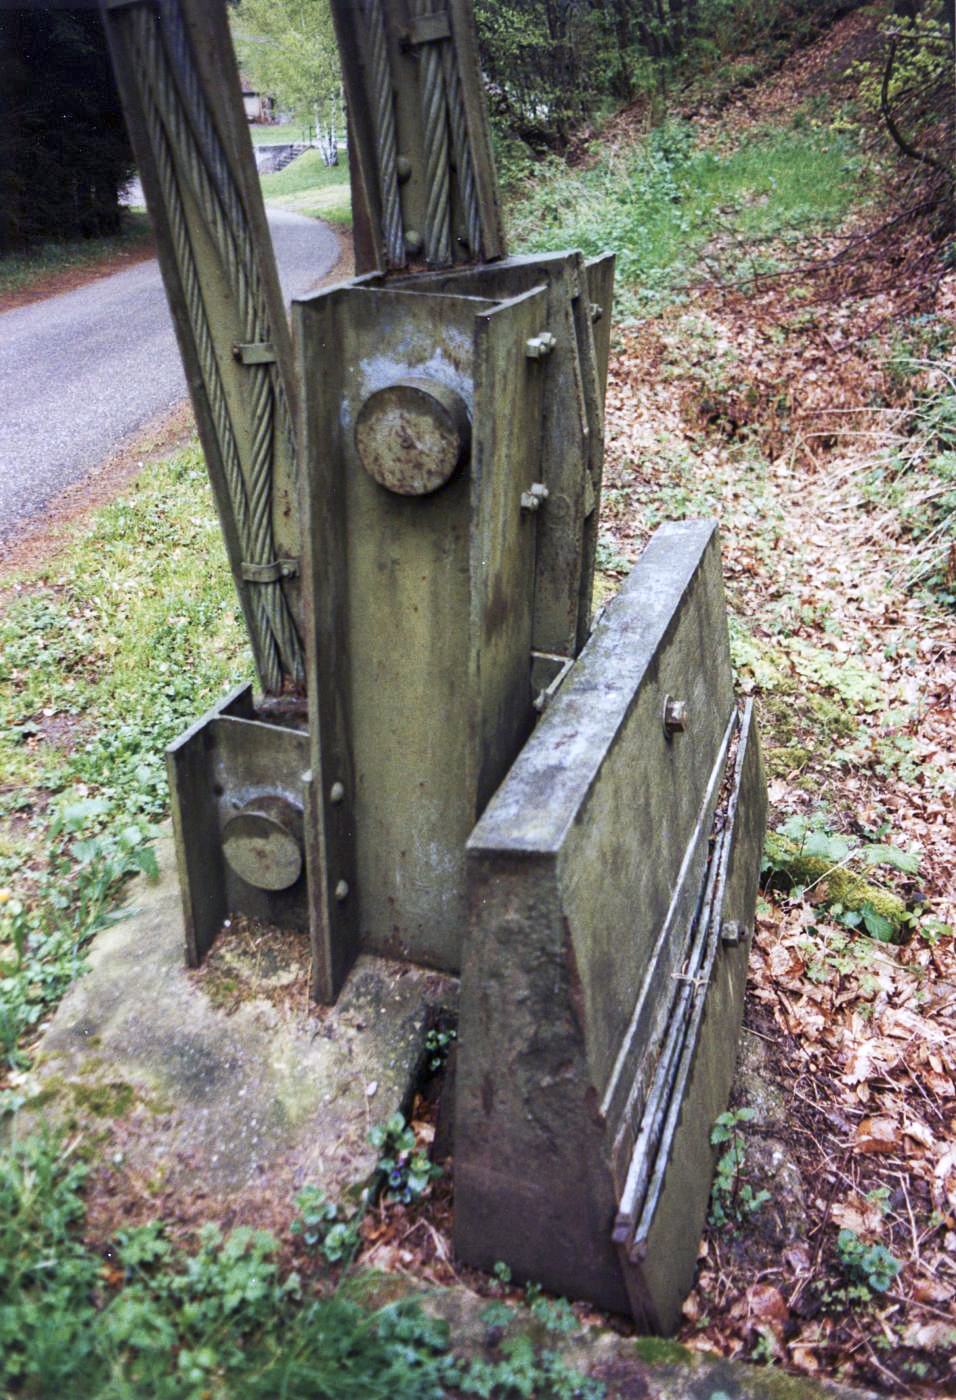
383	115
143	32
275	625
437	172
220	201
203	133
462	151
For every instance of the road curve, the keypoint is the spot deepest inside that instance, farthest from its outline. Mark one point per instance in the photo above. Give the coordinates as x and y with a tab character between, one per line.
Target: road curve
82	371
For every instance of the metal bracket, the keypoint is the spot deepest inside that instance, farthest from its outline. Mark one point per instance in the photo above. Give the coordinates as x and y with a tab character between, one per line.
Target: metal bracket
547	659
427	29
269	573
257	353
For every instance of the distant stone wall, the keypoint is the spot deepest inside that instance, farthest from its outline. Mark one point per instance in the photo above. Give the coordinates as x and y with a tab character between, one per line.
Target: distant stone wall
272	157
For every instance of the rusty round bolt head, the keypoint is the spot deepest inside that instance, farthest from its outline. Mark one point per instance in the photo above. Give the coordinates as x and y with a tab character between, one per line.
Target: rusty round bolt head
263	843
411	436
675	716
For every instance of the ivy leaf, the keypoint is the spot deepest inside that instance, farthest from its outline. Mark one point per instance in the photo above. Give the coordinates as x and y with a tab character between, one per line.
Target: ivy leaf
827	847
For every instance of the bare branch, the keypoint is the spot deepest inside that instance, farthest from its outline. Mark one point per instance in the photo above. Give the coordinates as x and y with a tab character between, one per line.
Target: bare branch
912	152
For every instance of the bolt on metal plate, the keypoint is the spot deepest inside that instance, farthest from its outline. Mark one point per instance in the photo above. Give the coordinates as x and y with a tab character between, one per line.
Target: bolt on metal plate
263	843
675	716
413	435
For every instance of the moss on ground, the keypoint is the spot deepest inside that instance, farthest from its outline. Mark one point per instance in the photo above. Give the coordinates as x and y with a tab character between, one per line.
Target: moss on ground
836	883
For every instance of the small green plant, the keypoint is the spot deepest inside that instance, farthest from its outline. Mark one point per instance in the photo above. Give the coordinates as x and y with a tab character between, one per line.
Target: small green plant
731	1198
519	1367
325	1227
871	1266
405	1165
802	855
438	1043
555	1315
153	1320
521	1370
102	662
608	559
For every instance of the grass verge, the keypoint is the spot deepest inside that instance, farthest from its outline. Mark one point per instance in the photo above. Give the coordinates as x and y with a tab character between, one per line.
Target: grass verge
104	657
309	186
674	210
144	1318
24	272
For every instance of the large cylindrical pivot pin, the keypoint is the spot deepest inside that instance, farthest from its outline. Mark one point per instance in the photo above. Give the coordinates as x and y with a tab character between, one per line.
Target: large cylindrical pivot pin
413	435
263	843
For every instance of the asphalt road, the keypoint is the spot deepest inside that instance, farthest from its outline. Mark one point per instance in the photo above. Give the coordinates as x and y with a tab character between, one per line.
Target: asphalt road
83	371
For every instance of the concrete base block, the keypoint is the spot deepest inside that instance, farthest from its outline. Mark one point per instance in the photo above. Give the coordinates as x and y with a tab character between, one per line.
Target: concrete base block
228	1084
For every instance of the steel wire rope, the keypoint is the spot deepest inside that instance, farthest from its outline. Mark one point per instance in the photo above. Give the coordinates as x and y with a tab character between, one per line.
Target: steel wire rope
437	170
220	202
142	25
383	116
462	150
206	136
258	542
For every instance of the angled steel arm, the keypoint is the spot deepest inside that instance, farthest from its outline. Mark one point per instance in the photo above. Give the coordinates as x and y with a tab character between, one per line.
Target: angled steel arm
179	85
423	177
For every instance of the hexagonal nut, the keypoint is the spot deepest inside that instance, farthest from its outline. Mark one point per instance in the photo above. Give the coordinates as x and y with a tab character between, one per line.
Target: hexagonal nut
675	716
540	345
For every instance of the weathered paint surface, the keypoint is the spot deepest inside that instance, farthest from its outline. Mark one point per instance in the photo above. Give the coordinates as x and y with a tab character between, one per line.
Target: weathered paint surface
420	633
587	881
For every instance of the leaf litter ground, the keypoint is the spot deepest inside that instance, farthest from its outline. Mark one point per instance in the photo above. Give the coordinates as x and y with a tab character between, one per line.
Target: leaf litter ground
778	405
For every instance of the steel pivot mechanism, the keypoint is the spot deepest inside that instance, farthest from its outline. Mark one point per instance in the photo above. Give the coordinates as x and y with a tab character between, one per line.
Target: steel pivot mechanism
447	765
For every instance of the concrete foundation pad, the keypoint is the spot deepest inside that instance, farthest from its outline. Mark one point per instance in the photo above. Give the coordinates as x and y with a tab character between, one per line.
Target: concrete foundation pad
229	1083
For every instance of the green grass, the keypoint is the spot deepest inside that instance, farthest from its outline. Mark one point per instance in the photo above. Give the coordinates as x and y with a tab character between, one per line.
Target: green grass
666	203
278	134
309	186
22	271
127	637
143	1318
